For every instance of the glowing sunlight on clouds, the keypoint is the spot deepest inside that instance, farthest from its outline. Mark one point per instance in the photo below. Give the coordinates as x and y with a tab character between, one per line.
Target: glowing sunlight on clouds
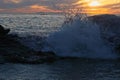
13	1
88	6
100	6
94	3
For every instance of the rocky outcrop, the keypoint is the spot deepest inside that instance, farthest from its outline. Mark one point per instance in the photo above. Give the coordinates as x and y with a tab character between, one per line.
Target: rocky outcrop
3	32
110	28
11	50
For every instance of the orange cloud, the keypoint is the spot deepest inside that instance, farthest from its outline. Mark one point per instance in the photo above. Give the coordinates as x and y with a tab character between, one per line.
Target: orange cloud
29	9
13	1
1	9
26	6
105	7
39	8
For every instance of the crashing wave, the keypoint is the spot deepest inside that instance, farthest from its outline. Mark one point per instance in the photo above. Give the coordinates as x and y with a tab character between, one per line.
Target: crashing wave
79	38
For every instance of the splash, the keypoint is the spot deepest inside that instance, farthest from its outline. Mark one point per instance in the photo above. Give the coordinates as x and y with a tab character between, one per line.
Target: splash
79	38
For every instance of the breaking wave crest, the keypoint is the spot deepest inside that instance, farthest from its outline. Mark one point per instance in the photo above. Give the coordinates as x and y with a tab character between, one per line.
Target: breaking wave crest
79	38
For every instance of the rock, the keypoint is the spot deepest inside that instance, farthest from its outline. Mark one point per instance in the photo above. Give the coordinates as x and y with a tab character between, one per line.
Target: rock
14	52
49	53
109	28
34	58
11	50
2	60
117	48
48	56
109	25
3	32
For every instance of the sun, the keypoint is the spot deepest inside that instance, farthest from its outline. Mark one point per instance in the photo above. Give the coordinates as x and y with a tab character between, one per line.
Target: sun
94	4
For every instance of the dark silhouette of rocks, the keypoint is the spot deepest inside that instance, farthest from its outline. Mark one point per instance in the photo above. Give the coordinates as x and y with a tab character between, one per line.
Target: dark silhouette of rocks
109	28
3	31
11	50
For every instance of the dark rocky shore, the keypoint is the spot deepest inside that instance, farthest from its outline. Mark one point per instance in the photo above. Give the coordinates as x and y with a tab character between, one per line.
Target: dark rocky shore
11	50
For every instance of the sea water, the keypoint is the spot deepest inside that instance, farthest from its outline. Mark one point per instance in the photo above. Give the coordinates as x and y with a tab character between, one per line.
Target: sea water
30	28
49	31
63	70
79	38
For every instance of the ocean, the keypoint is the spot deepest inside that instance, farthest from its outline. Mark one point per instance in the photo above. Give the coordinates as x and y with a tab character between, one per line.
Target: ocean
31	28
63	70
77	38
31	24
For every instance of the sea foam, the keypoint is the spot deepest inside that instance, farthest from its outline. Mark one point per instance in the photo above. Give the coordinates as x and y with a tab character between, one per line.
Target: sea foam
79	38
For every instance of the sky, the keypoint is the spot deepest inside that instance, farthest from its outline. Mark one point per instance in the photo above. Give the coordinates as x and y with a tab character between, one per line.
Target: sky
33	6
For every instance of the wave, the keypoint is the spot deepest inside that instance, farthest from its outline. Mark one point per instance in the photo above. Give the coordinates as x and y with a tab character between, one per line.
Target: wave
79	38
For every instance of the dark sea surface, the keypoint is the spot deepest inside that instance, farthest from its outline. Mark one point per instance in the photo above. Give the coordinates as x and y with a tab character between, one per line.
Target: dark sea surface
74	40
75	69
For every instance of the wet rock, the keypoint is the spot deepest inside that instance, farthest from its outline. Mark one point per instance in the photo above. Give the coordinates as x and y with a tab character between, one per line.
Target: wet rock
11	50
109	28
35	58
109	25
117	48
2	60
48	56
3	31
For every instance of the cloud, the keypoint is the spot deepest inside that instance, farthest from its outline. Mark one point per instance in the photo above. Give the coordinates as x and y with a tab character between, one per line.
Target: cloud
42	5
24	3
20	4
28	9
41	8
13	1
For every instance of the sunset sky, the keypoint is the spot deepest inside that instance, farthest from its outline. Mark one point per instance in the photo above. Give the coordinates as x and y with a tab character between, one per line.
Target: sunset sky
33	6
